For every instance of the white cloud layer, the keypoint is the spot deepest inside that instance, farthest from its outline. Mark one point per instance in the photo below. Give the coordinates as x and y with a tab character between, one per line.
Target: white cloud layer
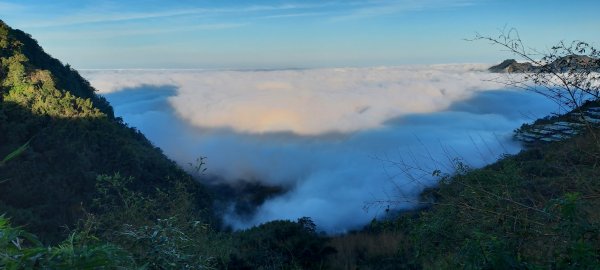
307	102
327	135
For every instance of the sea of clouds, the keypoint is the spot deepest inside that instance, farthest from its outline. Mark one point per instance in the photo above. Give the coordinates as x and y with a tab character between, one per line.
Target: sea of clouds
336	140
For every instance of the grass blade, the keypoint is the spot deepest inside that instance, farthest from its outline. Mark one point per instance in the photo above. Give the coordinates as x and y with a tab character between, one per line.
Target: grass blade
15	153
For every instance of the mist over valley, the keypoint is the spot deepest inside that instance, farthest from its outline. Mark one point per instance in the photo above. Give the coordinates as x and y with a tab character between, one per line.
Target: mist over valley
287	134
323	143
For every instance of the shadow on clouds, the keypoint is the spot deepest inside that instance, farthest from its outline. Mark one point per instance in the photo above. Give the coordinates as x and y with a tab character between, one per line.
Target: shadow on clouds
331	176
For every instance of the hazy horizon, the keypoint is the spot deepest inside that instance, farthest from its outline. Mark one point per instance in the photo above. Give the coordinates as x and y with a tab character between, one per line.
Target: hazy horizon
275	34
330	138
320	98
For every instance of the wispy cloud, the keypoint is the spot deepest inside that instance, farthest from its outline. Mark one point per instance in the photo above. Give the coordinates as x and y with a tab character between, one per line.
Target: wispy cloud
128	32
94	17
295	15
244	122
197	27
6	6
342	10
389	7
90	18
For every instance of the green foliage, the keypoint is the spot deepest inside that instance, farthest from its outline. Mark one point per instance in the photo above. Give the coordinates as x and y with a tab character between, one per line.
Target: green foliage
14	154
281	245
18	48
164	245
162	229
78	166
65	175
379	246
535	210
72	137
21	250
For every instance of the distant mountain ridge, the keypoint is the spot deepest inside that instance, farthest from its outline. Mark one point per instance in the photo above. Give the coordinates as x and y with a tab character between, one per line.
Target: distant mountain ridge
561	64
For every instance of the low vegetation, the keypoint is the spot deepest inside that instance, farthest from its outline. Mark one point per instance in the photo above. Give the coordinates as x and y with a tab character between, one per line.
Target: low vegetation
67	136
534	210
22	250
81	190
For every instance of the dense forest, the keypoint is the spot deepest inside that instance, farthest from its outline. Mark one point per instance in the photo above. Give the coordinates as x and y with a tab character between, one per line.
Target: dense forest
72	138
71	170
79	189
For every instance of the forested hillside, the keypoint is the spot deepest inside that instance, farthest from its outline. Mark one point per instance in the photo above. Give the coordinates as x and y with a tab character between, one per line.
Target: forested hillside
70	137
99	195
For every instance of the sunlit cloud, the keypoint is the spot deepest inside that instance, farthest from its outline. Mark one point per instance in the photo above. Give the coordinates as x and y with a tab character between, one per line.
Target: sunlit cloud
312	101
332	138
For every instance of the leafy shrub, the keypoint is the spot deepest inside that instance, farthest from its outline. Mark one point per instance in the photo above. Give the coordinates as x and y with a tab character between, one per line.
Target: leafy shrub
160	229
22	250
281	245
163	245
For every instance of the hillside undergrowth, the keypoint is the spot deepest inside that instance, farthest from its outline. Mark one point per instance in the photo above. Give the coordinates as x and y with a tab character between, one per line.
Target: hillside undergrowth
534	210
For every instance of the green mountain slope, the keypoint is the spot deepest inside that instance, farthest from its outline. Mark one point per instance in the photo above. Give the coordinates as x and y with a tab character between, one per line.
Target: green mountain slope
534	210
65	160
73	137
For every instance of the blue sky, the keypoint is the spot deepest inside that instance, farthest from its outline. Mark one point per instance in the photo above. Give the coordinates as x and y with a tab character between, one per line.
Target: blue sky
288	34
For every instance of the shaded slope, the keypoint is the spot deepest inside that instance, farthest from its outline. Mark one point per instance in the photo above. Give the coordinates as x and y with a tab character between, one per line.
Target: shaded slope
534	210
73	137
